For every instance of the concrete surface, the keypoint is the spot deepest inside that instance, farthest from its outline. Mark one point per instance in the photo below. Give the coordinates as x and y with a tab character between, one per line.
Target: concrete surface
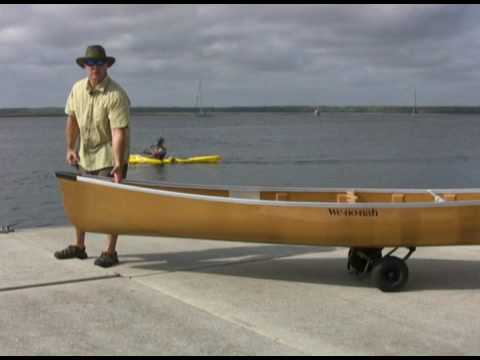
197	297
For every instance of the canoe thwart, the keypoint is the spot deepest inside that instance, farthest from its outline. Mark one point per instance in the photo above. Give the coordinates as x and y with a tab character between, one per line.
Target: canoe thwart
398	198
347	197
450	197
281	196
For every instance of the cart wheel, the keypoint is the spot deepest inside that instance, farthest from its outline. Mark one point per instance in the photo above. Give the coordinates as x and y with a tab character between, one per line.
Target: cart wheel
390	274
360	260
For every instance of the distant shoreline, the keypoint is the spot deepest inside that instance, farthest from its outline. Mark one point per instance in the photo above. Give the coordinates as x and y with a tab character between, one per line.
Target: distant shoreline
53	111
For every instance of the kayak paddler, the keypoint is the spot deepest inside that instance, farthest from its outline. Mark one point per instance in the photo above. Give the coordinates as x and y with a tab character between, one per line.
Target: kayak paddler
158	150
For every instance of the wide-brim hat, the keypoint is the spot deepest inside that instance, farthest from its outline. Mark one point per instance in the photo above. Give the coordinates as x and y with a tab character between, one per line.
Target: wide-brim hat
95	52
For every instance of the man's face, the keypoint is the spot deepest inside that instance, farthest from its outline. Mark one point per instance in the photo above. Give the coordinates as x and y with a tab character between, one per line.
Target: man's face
96	70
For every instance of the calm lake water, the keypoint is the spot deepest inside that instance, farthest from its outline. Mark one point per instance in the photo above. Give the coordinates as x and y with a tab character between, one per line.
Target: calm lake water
333	150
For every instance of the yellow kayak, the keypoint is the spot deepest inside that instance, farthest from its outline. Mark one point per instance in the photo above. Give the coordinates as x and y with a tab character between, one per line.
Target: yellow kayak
141	159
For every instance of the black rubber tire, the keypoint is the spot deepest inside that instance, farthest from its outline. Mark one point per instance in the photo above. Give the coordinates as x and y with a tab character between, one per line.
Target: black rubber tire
390	274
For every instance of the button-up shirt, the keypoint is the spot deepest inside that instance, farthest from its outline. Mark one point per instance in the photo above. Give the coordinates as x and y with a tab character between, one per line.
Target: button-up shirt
99	110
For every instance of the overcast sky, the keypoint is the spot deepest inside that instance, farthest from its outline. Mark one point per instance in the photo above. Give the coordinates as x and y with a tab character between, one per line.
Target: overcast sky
247	55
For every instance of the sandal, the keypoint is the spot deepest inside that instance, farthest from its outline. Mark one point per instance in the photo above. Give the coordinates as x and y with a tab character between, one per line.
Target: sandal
71	252
107	260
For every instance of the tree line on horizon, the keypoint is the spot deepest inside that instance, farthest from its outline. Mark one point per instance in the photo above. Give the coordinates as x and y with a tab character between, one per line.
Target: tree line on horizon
146	110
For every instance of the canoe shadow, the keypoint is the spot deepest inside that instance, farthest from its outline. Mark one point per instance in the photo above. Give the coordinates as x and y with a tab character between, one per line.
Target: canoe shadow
298	264
216	257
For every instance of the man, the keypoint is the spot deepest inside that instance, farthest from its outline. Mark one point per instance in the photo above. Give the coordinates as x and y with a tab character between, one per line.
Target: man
98	112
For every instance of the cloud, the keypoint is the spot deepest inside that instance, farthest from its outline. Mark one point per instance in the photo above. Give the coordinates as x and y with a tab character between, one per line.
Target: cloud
247	54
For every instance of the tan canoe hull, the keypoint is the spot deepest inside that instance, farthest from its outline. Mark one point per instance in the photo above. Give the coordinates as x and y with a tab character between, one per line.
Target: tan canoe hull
100	206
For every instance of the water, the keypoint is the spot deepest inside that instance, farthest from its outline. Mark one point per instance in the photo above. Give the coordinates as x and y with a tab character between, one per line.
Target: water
333	150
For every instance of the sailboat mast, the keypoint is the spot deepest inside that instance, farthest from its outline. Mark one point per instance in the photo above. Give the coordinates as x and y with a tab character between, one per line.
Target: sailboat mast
414	110
415	98
198	100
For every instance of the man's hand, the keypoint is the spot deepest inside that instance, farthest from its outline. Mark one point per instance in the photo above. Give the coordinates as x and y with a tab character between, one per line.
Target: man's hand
72	157
117	173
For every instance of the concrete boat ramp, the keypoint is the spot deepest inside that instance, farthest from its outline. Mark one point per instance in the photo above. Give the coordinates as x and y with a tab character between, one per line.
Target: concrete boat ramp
173	296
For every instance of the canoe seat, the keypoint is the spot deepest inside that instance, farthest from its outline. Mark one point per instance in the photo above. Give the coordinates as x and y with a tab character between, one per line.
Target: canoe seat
348	197
450	197
396	198
281	196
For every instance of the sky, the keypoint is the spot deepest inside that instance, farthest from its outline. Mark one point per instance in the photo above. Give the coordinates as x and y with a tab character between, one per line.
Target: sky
247	55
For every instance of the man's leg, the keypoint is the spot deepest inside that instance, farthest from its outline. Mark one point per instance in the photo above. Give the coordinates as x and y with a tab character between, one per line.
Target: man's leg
112	243
80	238
109	257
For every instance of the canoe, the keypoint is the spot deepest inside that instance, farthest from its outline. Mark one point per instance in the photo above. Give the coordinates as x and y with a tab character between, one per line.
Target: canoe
371	219
205	159
304	216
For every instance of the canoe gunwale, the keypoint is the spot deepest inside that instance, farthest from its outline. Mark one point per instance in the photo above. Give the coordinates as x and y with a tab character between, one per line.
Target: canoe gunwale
66	175
134	186
247	188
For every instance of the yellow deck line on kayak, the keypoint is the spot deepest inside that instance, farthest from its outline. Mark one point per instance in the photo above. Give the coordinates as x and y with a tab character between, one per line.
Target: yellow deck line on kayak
206	159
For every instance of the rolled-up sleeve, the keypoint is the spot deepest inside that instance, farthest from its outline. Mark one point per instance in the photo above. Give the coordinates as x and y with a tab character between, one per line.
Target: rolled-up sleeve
119	114
70	105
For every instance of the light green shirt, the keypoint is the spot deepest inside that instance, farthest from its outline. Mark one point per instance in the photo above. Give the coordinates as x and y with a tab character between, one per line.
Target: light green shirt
98	111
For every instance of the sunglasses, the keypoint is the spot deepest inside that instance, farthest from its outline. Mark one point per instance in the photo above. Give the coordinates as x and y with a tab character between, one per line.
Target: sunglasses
91	62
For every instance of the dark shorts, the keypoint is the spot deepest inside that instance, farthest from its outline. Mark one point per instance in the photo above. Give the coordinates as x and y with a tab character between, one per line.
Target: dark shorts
102	172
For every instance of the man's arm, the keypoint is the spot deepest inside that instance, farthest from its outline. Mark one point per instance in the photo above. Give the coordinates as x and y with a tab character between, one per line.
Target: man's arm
118	144
71	136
